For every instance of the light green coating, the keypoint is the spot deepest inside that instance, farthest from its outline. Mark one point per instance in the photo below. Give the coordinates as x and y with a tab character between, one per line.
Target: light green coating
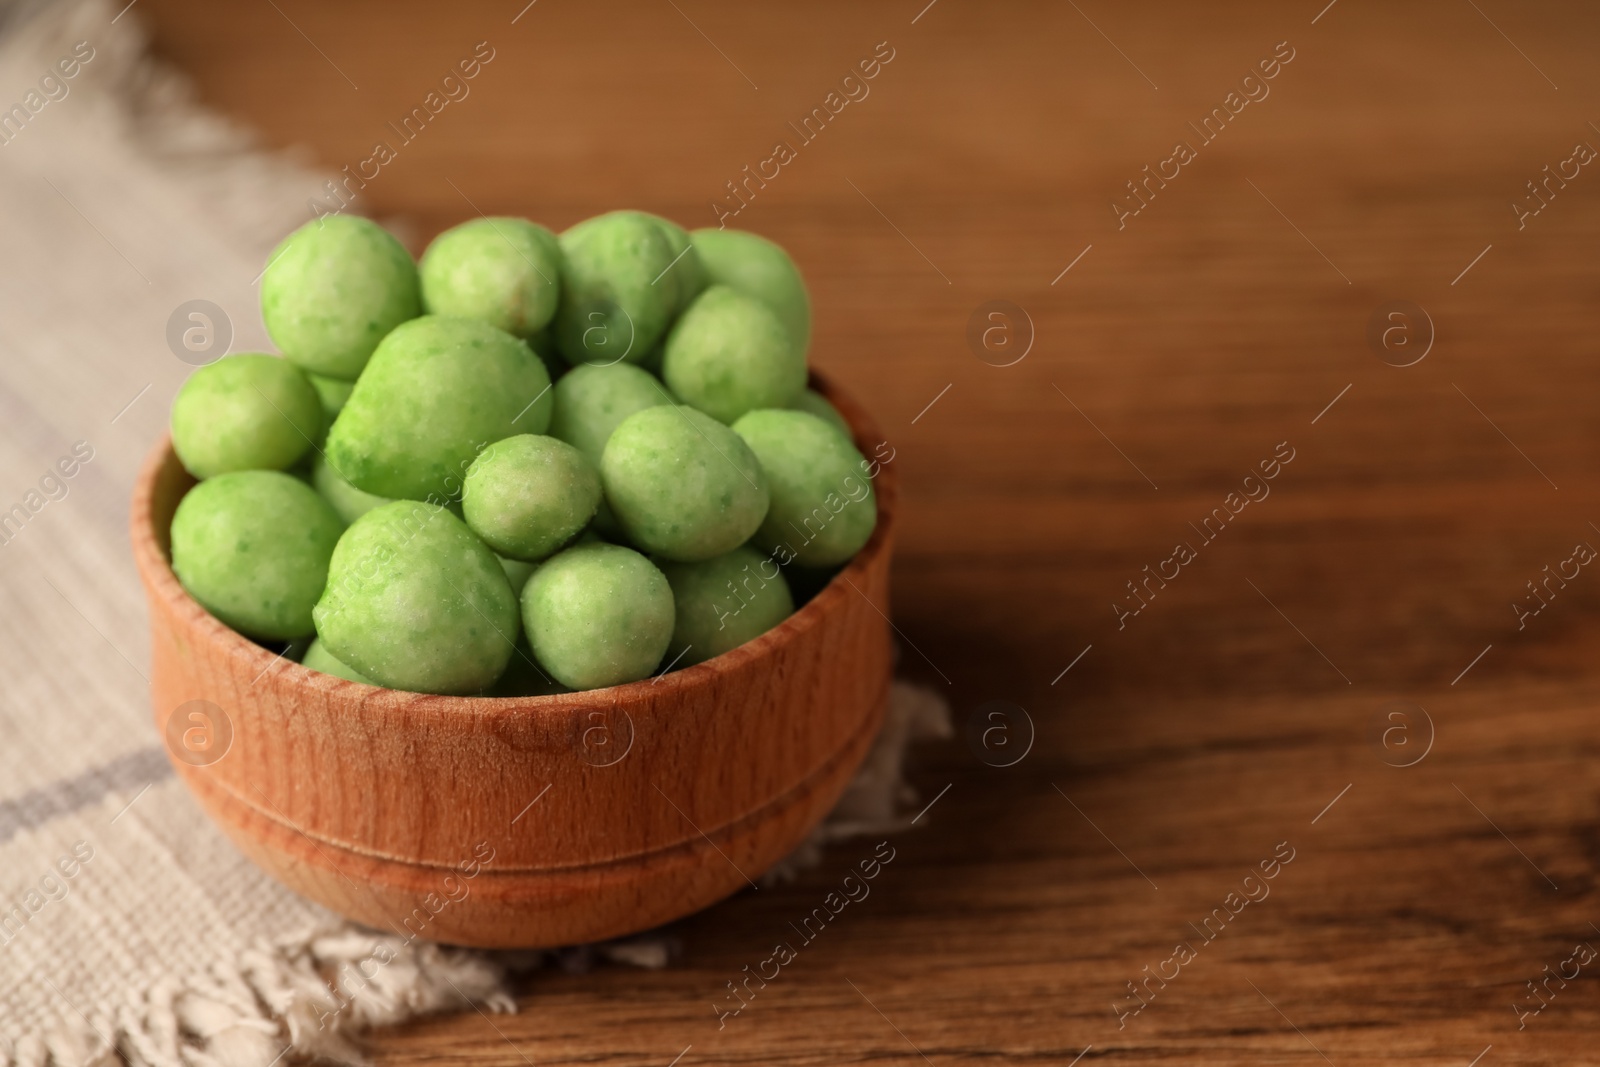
757	267
504	271
318	658
617	294
528	495
416	602
814	403
253	548
721	603
597	615
823	507
333	289
438	390
351	503
592	401
730	354
246	412
682	485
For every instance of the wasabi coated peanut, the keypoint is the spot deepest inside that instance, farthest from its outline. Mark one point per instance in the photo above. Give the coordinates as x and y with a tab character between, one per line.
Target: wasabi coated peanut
730	354
724	602
414	601
246	412
823	507
592	401
437	391
253	548
333	289
682	485
318	658
814	403
617	294
505	271
597	615
528	495
757	267
350	502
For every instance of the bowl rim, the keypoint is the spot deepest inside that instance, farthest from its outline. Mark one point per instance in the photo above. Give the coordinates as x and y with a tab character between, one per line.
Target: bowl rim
155	568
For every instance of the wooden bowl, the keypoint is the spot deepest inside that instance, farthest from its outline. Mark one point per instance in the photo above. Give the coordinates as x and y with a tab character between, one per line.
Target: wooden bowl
521	822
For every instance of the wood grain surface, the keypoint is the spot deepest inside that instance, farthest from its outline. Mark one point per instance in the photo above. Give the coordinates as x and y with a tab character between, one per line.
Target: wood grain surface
1173	351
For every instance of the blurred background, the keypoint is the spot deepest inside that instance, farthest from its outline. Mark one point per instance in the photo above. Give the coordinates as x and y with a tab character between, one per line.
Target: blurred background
1090	266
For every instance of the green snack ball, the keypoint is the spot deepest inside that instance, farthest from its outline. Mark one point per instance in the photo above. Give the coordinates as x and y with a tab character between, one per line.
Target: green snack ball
597	615
333	289
823	507
730	354
318	658
528	495
617	294
723	602
253	548
681	484
351	503
414	601
592	401
505	271
814	403
438	390
757	267
246	412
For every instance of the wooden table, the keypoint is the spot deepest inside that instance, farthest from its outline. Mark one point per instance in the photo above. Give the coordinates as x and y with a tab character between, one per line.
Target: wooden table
1269	688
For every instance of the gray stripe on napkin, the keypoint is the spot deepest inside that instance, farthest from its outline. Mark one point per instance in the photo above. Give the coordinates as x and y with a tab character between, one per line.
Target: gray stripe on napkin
67	795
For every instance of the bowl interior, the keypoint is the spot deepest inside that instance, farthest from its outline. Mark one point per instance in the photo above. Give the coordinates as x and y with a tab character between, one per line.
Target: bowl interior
165	481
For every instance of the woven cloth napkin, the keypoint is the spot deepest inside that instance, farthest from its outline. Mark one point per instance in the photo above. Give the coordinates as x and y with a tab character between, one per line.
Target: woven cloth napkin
130	929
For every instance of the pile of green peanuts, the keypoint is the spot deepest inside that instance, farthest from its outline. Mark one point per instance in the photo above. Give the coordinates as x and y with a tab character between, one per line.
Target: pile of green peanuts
524	464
